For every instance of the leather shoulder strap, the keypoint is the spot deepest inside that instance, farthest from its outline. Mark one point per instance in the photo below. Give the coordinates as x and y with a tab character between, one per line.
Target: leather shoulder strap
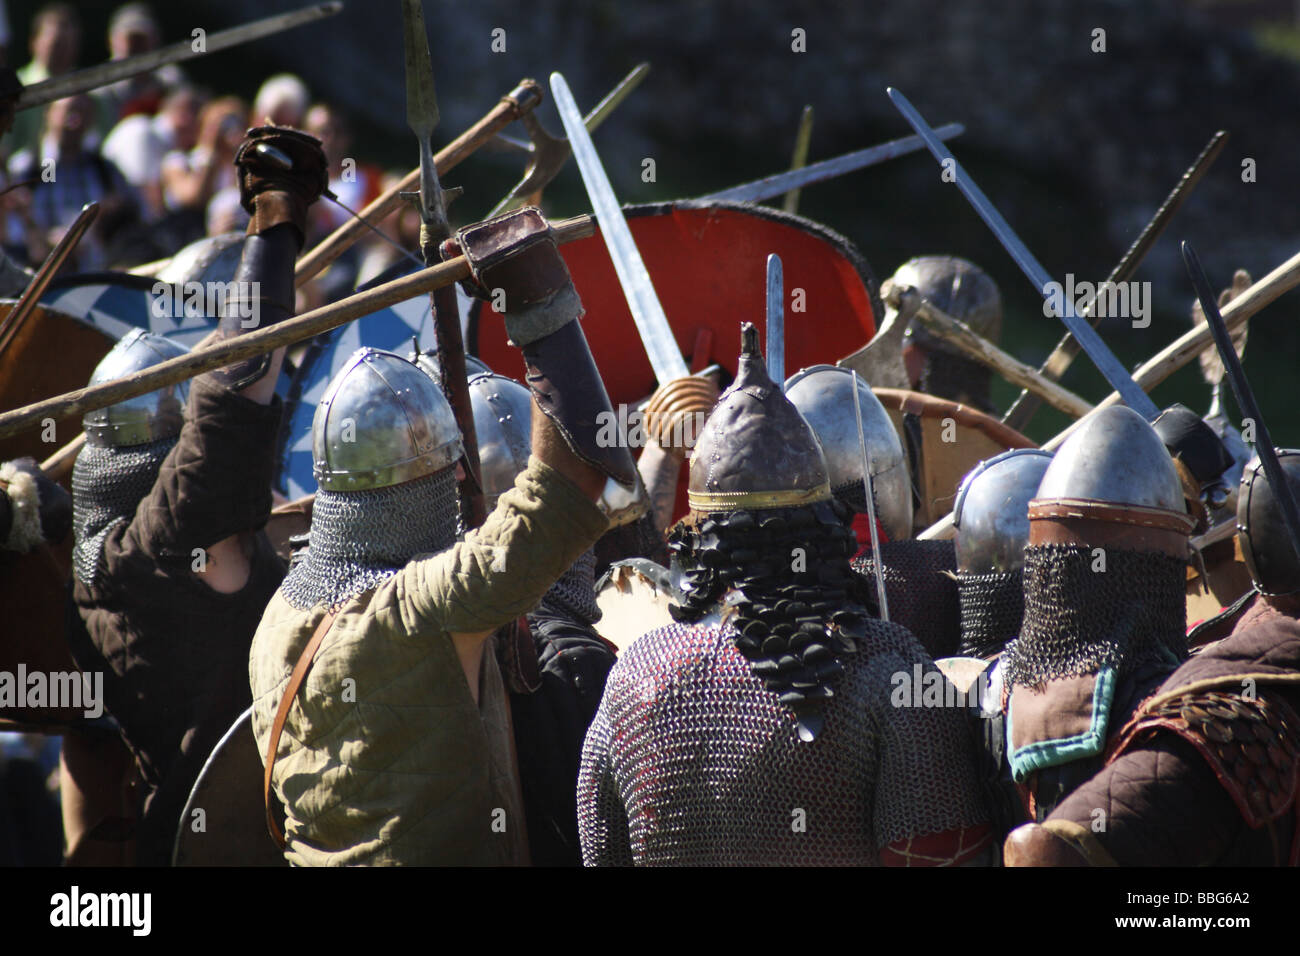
286	703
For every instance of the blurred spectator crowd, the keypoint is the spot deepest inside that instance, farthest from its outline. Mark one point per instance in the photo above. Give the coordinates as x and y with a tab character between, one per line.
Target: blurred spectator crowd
156	152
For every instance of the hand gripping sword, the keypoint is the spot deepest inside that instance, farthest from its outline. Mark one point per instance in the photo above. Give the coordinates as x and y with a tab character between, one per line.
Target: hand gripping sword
1083	333
422	117
1245	396
651	322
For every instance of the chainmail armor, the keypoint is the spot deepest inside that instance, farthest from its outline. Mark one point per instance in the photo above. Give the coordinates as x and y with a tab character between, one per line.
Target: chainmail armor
690	761
573	596
784	575
854	494
108	485
1078	620
957	379
922	592
992	609
359	539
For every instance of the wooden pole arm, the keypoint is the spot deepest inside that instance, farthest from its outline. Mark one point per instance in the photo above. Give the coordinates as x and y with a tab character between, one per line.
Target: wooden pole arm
263	340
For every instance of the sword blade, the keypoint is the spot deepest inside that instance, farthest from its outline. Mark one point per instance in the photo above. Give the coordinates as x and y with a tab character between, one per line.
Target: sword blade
1264	446
1101	356
56	88
766	188
1058	362
651	322
775	333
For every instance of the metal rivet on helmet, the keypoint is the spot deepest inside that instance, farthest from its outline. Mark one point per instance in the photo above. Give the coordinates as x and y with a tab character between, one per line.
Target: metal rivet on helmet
503	426
382	421
823	396
145	418
991	513
1265	543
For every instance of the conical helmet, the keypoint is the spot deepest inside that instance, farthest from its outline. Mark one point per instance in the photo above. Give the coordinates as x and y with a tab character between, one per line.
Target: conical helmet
991	513
145	418
756	451
823	394
1265	542
1112	473
382	421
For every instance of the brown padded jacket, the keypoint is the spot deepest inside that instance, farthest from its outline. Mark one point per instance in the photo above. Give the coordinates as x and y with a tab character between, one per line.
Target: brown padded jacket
173	651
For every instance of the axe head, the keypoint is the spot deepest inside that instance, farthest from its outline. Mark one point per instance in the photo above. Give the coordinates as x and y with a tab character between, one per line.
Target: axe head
880	361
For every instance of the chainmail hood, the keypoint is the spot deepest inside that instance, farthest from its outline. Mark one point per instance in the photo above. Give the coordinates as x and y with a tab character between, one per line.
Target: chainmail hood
1079	620
783	579
573	596
992	609
359	539
108	485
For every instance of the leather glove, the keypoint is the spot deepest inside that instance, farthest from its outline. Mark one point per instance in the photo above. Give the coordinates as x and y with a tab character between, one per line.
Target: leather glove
282	171
515	257
677	411
34	508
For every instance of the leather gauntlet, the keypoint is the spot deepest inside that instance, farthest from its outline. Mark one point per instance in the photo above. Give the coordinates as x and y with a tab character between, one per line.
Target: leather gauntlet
281	173
261	295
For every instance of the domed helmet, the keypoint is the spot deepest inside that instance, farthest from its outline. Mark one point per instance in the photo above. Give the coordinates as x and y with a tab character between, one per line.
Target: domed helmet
1265	542
382	421
991	513
964	291
385	445
958	288
503	426
145	418
823	394
991	516
125	447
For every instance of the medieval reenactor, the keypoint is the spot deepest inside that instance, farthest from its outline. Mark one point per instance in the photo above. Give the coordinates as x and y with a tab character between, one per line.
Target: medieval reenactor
961	289
171	570
396	745
760	729
918	579
1207	773
1104	602
991	517
563	686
